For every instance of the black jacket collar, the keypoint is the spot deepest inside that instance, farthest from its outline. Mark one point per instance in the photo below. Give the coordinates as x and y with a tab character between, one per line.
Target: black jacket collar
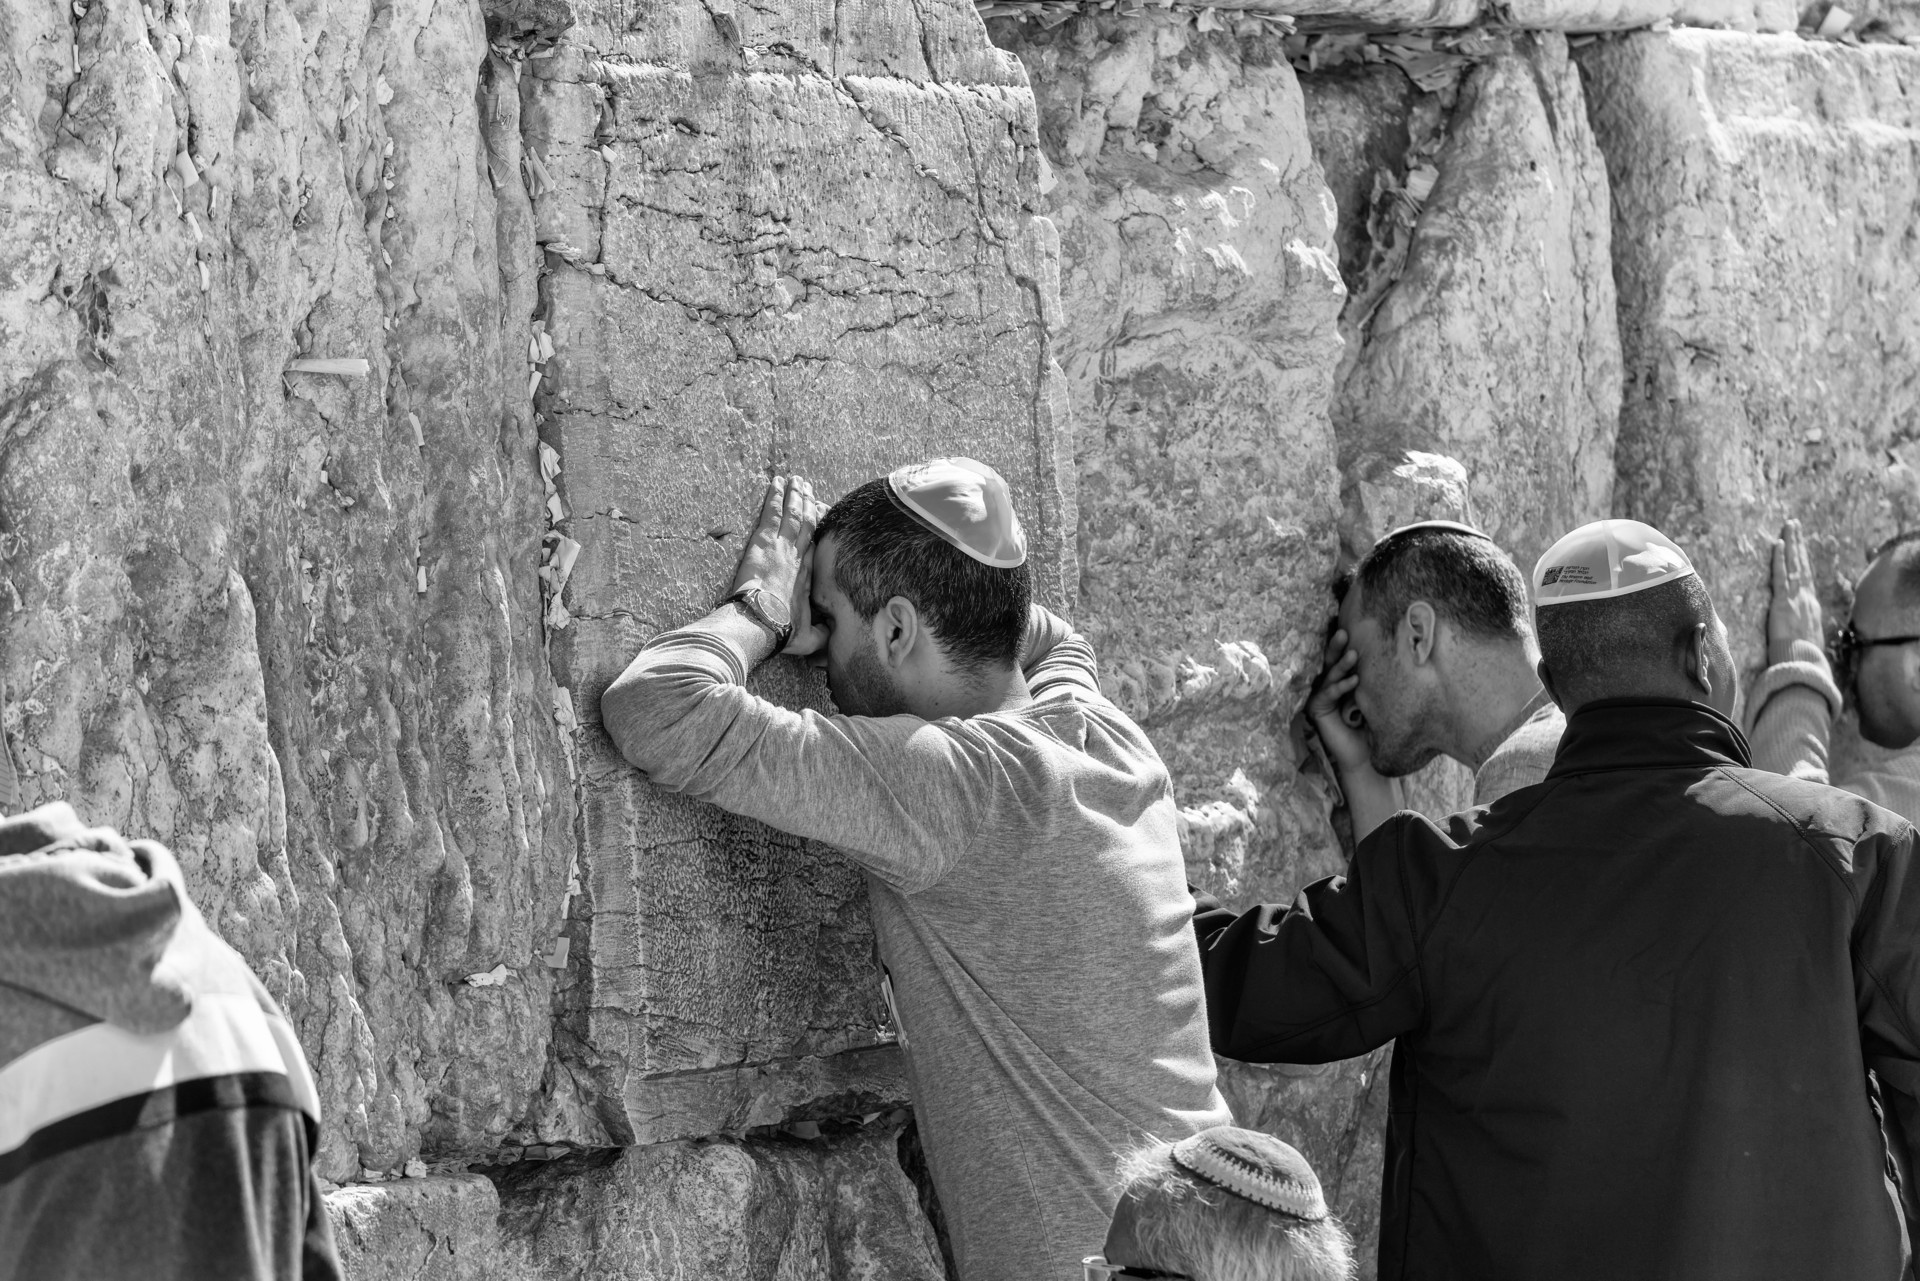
1648	733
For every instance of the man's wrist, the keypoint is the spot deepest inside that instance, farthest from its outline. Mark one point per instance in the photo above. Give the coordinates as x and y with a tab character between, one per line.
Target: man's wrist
765	608
759	642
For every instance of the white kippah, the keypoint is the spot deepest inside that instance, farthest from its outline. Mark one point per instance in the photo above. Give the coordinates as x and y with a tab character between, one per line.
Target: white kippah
1605	559
967	504
1256	1166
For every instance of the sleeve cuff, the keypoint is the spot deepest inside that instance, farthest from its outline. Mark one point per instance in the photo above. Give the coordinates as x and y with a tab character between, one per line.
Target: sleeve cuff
1807	667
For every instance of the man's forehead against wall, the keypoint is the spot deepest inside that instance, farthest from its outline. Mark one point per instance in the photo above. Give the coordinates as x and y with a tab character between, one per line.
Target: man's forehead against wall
1018	831
1434	650
1574	976
1454	567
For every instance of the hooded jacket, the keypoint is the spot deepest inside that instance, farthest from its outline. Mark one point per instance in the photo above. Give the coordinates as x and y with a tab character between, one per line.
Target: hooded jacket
156	1113
1633	1009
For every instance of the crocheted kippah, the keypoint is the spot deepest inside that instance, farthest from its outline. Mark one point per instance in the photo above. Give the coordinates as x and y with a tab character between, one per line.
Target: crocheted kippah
1256	1166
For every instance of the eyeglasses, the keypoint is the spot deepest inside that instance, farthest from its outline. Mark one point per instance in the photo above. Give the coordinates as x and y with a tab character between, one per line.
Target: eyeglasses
1098	1269
1848	644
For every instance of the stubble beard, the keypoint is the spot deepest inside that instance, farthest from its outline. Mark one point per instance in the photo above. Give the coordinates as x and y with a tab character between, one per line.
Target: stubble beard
866	688
1393	749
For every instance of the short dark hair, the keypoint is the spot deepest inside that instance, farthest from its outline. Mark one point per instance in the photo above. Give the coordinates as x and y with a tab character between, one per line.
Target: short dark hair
1465	577
977	612
1608	648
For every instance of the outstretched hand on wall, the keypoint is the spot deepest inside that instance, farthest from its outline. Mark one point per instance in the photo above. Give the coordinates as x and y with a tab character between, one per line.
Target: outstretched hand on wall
779	557
1794	612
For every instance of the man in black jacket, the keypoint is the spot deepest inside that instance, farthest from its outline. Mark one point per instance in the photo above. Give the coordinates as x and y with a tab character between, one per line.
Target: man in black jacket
1634	1005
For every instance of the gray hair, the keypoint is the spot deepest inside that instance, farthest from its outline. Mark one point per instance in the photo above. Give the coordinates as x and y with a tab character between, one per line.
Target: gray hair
1186	1224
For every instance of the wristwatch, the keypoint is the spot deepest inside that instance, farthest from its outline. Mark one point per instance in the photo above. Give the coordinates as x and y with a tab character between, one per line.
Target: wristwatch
767	609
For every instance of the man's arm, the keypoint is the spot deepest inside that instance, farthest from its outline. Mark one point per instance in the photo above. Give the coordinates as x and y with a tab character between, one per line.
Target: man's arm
1053	655
1792	705
900	795
1331	977
1371	799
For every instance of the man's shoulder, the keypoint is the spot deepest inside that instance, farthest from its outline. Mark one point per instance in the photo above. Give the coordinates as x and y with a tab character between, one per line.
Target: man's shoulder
1062	734
1820	809
1538	737
1523	758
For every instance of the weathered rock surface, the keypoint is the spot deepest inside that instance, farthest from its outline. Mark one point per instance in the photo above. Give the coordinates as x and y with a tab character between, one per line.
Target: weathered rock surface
256	613
1200	294
1487	333
1549	15
288	618
1764	211
838	1207
1624	15
723	301
440	1228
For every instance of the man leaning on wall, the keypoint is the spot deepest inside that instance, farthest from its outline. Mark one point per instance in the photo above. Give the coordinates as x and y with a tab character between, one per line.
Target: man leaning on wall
1435	649
1856	723
1633	1005
979	778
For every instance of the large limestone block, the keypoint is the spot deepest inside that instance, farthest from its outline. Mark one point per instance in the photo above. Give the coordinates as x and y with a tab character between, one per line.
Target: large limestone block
1493	341
1625	15
1200	295
1537	15
1388	15
775	243
1764	195
759	1210
439	1228
258	614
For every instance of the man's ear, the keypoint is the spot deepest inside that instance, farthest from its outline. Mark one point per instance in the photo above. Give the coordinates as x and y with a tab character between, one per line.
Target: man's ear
1423	629
1546	682
897	631
1699	660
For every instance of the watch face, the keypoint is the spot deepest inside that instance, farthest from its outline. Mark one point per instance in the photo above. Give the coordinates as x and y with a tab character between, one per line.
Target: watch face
773	610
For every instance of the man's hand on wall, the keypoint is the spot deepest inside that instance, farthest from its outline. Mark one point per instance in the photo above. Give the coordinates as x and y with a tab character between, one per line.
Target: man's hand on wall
1794	614
779	557
776	550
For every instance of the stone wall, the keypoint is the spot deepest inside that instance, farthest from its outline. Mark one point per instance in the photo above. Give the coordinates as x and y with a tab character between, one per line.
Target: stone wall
375	379
281	619
1765	231
375	382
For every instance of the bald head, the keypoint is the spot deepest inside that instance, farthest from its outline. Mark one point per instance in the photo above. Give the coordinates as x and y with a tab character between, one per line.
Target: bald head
1890	589
1664	642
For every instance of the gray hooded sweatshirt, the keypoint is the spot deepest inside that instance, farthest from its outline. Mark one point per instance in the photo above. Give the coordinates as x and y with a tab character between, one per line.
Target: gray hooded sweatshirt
157	1118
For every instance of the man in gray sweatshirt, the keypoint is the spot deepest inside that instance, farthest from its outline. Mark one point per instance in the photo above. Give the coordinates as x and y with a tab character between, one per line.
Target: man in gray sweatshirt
981	780
157	1119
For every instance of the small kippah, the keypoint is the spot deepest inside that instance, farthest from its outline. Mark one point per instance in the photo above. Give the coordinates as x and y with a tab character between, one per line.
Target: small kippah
967	504
1256	1166
1438	526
